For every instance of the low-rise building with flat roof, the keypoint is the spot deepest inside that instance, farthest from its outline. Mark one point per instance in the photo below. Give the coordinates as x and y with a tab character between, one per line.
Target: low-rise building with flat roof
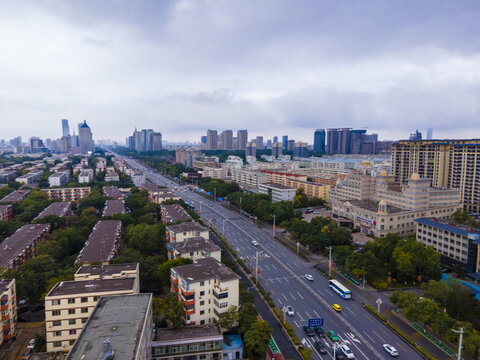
277	192
15	196
67	194
6	212
194	248
58	179
180	232
207	289
85	176
123	335
103	243
30	178
8	303
112	175
113	192
193	342
58	208
111	271
68	306
113	207
232	347
173	213
20	246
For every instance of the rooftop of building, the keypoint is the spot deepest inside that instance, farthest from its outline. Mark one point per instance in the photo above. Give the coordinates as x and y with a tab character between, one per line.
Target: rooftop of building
205	269
194	244
276	186
149	186
186	226
18	241
452	227
175	213
14	196
4	284
56	208
113	207
232	342
101	242
187	333
372	205
58	174
106	270
5	207
66	288
119	319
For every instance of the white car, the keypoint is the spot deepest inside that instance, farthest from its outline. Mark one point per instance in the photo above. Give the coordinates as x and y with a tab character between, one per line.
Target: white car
255	243
31	344
346	351
290	311
391	350
309	277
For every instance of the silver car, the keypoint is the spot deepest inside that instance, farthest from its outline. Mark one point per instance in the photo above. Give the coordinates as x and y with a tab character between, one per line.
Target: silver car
391	350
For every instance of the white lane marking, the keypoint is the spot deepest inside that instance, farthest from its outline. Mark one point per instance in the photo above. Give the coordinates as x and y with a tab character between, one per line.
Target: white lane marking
296	323
299	294
293	297
350	310
280	301
308	315
274	267
378	335
284	296
316	313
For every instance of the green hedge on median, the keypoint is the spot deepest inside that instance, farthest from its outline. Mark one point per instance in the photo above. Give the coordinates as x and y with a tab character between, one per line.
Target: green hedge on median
304	353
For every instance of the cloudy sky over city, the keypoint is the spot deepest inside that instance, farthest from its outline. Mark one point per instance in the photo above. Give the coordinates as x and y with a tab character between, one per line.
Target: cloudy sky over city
273	67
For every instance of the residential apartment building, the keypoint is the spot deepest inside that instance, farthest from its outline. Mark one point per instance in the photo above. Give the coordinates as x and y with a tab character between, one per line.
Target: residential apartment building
113	207
15	196
162	196
68	306
20	246
58	178
112	175
8	305
180	232
277	192
57	208
194	248
193	342
30	178
112	192
102	244
458	244
453	164
85	176
312	190
249	178
98	341
173	213
214	173
67	194
6	212
111	271
207	288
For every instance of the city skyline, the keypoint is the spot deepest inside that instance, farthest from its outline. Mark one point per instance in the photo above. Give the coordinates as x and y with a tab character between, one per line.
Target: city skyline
270	67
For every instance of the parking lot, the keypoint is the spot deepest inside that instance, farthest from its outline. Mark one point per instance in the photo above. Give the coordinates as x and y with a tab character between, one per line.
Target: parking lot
25	331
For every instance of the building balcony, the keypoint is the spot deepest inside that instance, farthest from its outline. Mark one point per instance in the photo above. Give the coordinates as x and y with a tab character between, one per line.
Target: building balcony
187	293
173	280
174	289
188	302
4	307
190	312
5	317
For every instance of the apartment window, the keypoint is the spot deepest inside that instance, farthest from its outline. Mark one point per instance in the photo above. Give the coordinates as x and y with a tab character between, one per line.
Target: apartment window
84	299
84	320
84	310
71	311
202	312
202	283
55	312
57	344
71	301
55	302
202	293
71	342
72	332
202	303
223	305
72	321
95	298
56	323
57	333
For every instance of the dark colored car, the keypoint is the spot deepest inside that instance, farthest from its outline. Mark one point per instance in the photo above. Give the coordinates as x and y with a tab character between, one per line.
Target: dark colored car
309	330
319	330
339	355
320	346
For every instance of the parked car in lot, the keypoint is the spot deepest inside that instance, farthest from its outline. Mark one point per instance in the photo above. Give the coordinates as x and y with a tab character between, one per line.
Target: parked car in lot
309	330
27	354
290	311
390	349
320	346
337	307
31	344
346	351
309	277
255	243
319	330
331	334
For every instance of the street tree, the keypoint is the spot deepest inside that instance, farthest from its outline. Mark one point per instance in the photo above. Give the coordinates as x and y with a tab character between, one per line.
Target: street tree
229	319
256	339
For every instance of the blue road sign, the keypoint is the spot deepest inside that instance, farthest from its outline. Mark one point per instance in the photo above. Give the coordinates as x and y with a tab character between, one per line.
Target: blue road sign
315	322
220	199
208	192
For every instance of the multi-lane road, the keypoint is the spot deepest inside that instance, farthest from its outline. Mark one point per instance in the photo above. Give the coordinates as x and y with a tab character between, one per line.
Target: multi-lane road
282	273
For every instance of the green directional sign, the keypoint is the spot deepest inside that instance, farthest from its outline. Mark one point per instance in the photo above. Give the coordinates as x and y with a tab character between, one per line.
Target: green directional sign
273	346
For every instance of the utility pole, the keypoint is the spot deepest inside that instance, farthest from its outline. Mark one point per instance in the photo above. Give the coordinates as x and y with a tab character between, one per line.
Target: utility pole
214	194
256	266
329	261
223	226
459	357
273	228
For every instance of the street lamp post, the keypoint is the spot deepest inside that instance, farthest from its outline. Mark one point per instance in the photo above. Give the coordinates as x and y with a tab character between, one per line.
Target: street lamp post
273	228
379	302
256	265
329	261
223	226
459	342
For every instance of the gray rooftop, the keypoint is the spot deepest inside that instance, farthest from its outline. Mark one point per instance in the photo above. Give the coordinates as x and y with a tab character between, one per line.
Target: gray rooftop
277	186
92	286
194	244
113	207
187	226
373	206
101	243
112	191
56	208
14	196
121	319
175	213
106	270
187	333
205	269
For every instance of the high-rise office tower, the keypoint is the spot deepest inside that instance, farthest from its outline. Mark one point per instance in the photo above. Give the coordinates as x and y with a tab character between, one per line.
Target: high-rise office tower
85	138
429	134
242	138
212	139
145	140
332	141
203	142
357	138
36	144
269	144
277	149
157	141
319	141
452	164
259	141
300	149
275	139
290	145
285	142
65	128
417	135
227	139
251	149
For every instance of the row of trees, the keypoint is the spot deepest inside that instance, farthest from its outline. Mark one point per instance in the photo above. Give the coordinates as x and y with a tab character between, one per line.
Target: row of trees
218	186
446	306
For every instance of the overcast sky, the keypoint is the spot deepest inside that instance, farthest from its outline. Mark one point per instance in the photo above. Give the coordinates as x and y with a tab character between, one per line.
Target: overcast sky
272	67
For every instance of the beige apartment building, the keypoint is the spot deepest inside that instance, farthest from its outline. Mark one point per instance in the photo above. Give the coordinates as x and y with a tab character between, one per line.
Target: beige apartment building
8	303
207	288
453	164
194	248
180	232
69	304
249	178
67	194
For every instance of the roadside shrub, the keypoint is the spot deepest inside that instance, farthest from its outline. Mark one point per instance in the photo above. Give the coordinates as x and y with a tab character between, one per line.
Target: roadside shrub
304	353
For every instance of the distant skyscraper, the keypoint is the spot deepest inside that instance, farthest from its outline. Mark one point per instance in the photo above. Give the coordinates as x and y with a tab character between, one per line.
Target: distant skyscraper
429	134
227	139
269	144
275	139
85	136
145	140
357	138
285	142
417	135
212	139
259	141
319	141
300	149
36	144
290	145
277	149
65	128
242	138
251	149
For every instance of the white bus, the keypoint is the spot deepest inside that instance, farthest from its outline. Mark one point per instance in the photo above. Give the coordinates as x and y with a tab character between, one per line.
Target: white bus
340	289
